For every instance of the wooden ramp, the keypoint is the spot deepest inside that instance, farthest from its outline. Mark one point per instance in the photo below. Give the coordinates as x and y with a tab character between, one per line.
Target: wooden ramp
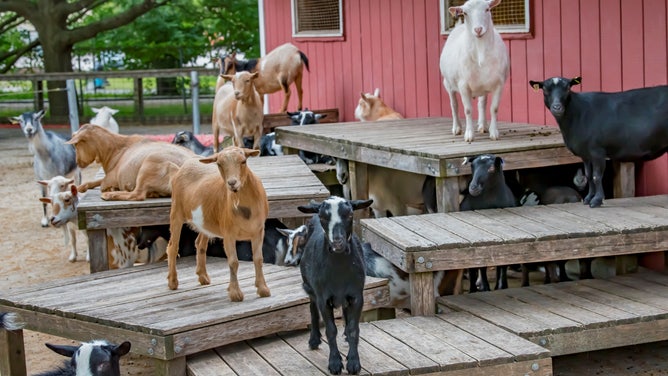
456	344
574	317
136	305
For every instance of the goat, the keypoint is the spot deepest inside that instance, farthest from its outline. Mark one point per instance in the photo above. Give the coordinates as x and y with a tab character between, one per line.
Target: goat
134	166
371	108
188	140
95	358
64	215
239	114
230	204
275	246
307	117
268	145
333	273
277	71
394	193
487	190
474	63
104	118
51	155
626	126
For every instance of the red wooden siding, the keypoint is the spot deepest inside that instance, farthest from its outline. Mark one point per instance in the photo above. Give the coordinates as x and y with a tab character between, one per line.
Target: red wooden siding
395	45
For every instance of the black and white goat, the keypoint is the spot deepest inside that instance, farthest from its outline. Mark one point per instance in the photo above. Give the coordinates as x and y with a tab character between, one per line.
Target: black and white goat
268	145
188	140
307	117
96	358
487	190
333	273
51	156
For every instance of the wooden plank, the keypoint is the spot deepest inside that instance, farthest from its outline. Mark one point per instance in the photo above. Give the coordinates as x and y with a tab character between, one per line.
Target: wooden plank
282	357
12	353
397	350
540	230
244	360
480	222
427	343
596	295
569	223
397	234
319	357
207	363
631	293
422	293
461	229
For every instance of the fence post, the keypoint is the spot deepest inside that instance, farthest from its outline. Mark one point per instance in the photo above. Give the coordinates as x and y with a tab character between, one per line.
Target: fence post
194	85
73	105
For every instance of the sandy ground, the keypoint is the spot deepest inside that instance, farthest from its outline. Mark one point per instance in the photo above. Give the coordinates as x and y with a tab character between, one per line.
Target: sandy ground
31	254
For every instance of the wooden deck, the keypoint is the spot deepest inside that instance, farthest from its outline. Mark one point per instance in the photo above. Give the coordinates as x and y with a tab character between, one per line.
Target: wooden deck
426	146
574	317
135	305
287	180
456	344
425	243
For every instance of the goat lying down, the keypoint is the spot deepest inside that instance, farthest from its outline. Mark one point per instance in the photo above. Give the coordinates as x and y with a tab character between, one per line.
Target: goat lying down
134	166
219	197
372	108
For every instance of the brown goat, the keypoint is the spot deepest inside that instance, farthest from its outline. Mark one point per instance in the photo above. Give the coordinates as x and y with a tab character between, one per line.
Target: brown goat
134	166
219	196
278	70
371	108
238	111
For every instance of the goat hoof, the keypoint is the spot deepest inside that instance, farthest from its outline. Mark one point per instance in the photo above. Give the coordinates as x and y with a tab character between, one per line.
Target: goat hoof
263	292
204	280
353	367
72	259
335	366
173	285
236	296
595	203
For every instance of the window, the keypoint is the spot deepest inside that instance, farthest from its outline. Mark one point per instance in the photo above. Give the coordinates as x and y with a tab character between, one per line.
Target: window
317	18
511	16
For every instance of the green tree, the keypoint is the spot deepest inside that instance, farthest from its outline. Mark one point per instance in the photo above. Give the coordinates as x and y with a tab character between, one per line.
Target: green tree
60	24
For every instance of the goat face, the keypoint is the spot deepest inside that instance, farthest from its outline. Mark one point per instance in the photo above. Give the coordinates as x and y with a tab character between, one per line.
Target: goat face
242	83
86	154
482	167
183	138
295	244
99	358
231	163
366	104
305	117
336	219
477	15
556	93
63	206
30	122
229	66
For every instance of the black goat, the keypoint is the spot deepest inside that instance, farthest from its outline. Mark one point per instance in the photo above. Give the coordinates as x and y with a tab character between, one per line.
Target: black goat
188	140
274	246
333	274
307	117
487	190
96	358
627	126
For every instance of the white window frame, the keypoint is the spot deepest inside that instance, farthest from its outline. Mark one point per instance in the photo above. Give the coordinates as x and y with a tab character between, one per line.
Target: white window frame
517	29
314	33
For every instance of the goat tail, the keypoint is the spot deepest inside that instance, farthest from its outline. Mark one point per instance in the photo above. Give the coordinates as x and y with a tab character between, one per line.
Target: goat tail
304	59
10	321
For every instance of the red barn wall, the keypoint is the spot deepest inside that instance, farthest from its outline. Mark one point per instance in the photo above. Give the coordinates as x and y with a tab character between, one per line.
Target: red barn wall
395	45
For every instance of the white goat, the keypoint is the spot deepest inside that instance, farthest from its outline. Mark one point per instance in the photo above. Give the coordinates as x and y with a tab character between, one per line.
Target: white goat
62	195
474	62
104	118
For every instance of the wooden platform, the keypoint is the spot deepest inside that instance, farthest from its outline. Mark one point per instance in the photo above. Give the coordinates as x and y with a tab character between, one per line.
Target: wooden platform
135	304
575	317
456	344
422	244
286	179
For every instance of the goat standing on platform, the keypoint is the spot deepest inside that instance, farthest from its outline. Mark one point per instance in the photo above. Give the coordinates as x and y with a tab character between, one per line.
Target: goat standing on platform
487	190
333	273
277	71
474	63
219	196
51	155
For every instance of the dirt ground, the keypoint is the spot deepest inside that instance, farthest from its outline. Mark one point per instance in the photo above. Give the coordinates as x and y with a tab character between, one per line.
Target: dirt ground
31	254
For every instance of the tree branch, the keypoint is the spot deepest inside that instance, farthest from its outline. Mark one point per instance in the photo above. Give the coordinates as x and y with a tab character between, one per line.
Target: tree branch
78	6
13	56
20	7
11	23
89	31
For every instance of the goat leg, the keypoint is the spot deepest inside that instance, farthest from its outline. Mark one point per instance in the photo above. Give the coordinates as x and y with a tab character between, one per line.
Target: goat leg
315	339
260	283
352	314
172	251
335	363
201	244
501	277
233	289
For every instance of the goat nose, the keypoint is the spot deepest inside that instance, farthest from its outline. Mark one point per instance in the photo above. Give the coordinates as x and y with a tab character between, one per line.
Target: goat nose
478	30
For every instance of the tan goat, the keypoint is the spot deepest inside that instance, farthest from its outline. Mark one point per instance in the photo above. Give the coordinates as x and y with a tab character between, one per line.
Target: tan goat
134	166
278	70
372	108
238	113
219	197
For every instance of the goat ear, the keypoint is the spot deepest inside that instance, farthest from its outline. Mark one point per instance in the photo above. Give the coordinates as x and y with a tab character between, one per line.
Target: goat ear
64	350
536	85
254	75
45	200
211	159
493	3
312	207
122	349
284	231
95	109
73	189
361	204
320	116
456	11
251	152
39	114
376	93
227	76
498	162
468	159
43	182
576	81
15	120
113	111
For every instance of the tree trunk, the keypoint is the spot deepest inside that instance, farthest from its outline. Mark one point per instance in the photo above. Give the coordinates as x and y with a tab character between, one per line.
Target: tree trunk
57	59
